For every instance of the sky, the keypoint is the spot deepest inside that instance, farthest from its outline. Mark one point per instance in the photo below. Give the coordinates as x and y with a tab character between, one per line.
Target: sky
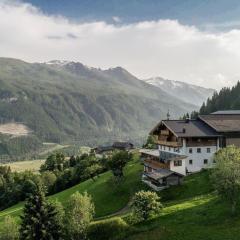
193	41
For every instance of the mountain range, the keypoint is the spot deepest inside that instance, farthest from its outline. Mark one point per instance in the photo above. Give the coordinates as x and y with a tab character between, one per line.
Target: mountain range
186	92
62	101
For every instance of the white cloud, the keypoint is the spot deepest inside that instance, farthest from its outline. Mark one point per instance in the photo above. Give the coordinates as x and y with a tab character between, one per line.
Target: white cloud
165	47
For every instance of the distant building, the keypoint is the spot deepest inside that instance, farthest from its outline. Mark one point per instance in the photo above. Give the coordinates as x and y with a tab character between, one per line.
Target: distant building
115	146
187	146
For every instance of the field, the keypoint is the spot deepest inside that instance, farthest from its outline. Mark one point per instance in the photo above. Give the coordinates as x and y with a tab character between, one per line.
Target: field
16	129
108	196
33	165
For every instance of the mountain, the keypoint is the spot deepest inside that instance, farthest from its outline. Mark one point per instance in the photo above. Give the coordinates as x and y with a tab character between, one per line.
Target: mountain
70	102
183	91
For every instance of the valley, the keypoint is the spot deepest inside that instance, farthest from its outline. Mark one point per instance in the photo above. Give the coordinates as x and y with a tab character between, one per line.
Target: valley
72	104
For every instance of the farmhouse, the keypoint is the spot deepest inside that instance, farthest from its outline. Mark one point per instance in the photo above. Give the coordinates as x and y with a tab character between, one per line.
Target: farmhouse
187	146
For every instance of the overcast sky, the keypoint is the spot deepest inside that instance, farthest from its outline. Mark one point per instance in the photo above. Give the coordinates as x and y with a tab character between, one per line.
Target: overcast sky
165	48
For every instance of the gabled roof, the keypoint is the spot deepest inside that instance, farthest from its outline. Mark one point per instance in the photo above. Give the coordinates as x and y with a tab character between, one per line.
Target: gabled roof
190	128
222	122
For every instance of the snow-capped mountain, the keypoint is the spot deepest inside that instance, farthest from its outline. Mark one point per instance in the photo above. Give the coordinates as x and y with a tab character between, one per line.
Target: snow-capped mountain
184	91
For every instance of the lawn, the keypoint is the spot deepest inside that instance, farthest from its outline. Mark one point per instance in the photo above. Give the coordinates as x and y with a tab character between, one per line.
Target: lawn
108	196
191	211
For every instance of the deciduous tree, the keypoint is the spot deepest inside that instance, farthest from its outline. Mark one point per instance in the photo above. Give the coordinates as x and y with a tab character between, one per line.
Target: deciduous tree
226	175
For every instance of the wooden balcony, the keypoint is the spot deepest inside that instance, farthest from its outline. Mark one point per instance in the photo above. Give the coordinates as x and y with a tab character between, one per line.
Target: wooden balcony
168	143
165	132
156	164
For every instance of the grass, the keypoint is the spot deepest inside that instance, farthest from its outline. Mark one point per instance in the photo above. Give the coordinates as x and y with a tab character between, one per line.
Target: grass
32	165
108	196
191	211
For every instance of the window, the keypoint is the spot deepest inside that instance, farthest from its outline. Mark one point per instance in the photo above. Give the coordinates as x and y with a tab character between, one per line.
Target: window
190	161
208	150
198	150
205	161
169	149
178	163
190	150
164	148
176	150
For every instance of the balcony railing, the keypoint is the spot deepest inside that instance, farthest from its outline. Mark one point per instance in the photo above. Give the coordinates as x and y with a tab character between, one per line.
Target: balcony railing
168	143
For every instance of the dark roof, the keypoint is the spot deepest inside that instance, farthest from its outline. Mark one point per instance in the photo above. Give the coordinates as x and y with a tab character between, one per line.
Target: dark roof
122	145
227	112
190	128
223	122
161	173
103	148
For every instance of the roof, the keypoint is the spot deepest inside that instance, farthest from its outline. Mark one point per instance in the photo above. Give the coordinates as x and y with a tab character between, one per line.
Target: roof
222	122
161	173
151	152
227	112
190	128
167	156
122	144
103	148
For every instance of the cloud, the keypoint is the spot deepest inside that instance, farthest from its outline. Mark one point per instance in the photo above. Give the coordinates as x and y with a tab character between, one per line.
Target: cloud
151	48
116	19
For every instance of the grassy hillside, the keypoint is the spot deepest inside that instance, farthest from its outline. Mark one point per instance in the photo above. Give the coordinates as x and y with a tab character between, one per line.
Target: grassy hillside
74	103
191	211
108	196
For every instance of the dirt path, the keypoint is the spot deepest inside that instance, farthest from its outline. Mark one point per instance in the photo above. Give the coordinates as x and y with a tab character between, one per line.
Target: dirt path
118	213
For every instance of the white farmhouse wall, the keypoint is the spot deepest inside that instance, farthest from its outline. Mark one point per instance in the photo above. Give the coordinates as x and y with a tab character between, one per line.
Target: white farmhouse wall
178	169
197	158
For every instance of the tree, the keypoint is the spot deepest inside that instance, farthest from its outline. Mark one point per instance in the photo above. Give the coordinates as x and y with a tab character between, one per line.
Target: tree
40	220
146	204
54	162
150	142
49	180
79	214
118	161
226	175
9	229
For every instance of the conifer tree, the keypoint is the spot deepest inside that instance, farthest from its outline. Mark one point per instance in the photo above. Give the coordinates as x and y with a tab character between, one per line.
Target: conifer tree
41	220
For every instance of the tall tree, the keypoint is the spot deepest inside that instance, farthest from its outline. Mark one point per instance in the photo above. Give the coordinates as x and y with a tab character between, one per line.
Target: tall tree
40	220
226	175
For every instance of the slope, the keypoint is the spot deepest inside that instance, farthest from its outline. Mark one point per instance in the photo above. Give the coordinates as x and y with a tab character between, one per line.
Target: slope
184	91
69	102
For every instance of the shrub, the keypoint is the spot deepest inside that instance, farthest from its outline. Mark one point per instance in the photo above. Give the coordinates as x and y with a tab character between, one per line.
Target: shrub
9	229
114	228
146	204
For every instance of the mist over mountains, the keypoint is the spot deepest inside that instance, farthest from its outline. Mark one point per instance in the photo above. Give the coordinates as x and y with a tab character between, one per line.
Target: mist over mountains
184	91
63	101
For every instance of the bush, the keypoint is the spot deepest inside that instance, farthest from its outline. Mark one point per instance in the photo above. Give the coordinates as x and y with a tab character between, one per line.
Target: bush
114	228
146	204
